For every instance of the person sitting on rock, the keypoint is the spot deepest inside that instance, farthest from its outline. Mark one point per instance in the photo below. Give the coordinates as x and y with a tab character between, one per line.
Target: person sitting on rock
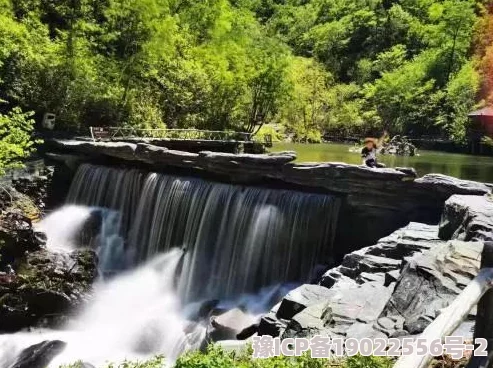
369	151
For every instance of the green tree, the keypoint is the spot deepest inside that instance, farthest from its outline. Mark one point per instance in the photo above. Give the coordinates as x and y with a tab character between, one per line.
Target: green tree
16	141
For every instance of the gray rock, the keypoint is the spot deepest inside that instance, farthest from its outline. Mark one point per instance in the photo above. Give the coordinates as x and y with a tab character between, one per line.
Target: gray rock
398	322
378	277
309	322
391	277
431	280
446	186
279	158
399	333
386	323
417	325
271	325
39	355
355	263
248	332
467	218
227	325
301	298
363	330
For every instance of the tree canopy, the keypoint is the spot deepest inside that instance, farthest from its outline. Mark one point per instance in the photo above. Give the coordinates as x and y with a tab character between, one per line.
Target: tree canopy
313	67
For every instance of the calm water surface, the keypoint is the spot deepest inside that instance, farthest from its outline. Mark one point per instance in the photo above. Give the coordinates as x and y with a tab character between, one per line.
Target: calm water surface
468	167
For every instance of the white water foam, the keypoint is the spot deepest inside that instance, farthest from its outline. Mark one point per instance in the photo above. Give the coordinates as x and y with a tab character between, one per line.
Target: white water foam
238	240
135	316
63	225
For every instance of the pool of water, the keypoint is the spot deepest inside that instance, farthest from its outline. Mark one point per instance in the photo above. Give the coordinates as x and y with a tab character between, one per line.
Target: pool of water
479	168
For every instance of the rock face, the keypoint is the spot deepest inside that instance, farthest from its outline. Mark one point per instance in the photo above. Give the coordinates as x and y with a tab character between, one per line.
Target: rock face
34	283
45	285
467	218
39	355
391	289
375	201
35	187
301	298
430	281
228	325
17	236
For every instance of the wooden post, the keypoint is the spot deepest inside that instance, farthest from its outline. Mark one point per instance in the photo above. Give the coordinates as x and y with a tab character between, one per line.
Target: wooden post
484	316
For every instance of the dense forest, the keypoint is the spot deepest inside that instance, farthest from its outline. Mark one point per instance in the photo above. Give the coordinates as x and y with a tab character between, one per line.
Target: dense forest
303	68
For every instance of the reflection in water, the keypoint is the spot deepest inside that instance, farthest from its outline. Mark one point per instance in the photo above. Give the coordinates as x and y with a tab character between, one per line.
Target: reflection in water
468	167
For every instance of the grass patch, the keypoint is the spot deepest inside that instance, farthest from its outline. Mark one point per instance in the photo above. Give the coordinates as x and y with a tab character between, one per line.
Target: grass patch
215	357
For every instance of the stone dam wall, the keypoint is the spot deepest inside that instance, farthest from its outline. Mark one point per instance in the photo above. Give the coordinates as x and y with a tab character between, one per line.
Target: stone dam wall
375	202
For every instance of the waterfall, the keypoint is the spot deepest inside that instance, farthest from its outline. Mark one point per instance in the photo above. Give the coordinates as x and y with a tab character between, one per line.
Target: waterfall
174	242
64	237
134	316
237	239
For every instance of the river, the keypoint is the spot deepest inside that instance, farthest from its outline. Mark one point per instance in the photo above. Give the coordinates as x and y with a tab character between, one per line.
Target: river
479	168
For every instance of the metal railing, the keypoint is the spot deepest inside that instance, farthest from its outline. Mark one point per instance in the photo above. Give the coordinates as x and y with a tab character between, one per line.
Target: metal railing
183	134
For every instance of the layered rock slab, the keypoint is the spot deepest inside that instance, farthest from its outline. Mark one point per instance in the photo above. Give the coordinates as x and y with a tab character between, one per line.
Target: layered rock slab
467	218
394	288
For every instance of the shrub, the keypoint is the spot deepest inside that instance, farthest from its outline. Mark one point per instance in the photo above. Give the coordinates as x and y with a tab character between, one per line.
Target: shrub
216	357
15	138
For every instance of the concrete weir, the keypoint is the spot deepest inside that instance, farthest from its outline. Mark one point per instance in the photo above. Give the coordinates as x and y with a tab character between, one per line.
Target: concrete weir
375	202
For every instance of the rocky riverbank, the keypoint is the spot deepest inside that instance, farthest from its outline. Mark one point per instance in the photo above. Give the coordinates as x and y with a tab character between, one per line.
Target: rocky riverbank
392	286
396	287
37	286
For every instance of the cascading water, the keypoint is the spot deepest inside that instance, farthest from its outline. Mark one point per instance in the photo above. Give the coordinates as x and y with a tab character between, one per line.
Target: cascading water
133	316
181	240
63	238
237	239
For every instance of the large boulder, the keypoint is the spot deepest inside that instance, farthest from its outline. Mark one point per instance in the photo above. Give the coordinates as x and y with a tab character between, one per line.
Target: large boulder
467	218
39	355
301	298
271	325
35	186
228	325
309	322
430	281
45	287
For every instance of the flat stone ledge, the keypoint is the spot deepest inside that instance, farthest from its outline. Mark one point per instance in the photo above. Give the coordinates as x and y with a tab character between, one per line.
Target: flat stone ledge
275	165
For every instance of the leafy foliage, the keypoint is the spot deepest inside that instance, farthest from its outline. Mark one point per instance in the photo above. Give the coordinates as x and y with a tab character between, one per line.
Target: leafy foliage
156	362
314	67
15	138
215	357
